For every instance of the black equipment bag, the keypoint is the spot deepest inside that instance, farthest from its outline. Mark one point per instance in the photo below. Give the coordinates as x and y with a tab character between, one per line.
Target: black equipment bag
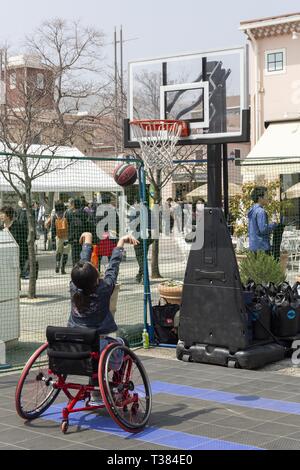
285	315
69	350
163	320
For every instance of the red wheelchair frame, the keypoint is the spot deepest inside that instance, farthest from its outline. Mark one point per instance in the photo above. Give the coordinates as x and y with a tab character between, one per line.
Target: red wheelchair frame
127	405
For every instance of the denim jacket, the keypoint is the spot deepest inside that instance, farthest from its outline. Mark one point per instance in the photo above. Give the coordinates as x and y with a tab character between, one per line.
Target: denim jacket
97	315
259	229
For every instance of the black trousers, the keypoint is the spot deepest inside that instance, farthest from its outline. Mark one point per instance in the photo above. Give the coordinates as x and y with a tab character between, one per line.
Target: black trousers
76	250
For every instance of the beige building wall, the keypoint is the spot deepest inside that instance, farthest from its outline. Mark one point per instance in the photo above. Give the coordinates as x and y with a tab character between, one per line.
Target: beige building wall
274	95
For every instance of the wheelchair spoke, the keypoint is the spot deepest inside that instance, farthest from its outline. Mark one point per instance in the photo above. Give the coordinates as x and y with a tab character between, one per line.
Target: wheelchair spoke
127	391
34	392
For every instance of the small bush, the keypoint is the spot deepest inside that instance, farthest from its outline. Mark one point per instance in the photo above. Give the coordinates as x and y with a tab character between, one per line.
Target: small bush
261	268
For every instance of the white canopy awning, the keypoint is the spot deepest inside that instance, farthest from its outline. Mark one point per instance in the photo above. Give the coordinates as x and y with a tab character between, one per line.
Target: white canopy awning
62	174
201	191
277	151
293	192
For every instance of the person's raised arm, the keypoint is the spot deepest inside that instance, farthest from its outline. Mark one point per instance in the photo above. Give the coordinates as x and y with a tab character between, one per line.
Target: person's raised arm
86	240
112	271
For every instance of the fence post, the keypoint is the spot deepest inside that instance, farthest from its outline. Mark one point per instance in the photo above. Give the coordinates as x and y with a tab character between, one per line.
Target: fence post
144	223
3	364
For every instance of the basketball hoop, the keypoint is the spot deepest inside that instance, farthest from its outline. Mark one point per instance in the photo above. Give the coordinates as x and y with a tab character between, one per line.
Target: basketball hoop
157	139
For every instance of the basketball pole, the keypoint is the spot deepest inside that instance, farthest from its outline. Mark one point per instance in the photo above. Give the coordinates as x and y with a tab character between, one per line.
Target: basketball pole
147	292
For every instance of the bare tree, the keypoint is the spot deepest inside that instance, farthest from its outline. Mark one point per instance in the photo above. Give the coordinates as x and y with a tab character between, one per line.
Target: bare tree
44	105
160	178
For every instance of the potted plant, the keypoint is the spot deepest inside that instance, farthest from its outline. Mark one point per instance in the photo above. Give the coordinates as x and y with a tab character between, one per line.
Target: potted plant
261	268
171	291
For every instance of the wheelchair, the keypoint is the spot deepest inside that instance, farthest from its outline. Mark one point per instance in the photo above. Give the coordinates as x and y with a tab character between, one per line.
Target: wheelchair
123	382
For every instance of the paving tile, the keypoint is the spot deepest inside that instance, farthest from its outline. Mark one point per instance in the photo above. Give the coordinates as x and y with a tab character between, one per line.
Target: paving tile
274	428
150	446
289	419
79	446
295	435
41	426
239	422
12	447
13	419
291	388
45	443
84	435
264	415
208	430
6	412
114	443
283	444
250	438
13	435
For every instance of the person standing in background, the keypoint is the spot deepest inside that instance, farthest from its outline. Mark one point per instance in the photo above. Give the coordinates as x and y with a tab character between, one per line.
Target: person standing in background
20	232
44	214
59	231
77	224
259	228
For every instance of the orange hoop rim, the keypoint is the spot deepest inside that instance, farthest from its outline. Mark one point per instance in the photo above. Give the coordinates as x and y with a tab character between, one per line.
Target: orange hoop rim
157	124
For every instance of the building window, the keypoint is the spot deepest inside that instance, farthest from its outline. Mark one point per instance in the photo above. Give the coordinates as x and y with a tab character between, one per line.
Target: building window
40	81
275	61
12	80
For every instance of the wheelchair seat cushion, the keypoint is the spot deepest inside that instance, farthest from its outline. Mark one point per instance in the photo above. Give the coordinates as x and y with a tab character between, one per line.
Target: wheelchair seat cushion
69	350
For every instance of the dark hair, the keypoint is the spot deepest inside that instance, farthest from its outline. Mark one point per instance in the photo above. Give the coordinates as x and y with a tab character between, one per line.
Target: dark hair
106	199
84	276
8	211
59	206
258	192
77	203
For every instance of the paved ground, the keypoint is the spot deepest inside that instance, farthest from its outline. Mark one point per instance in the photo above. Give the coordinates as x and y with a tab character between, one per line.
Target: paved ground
195	406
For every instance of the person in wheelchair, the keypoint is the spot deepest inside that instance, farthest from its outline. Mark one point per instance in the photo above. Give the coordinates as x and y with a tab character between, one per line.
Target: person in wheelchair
90	296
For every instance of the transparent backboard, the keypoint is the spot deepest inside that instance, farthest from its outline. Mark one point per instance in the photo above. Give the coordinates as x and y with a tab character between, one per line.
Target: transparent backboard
208	89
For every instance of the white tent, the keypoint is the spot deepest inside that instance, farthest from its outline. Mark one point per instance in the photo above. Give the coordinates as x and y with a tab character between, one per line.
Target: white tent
293	192
277	152
63	174
201	191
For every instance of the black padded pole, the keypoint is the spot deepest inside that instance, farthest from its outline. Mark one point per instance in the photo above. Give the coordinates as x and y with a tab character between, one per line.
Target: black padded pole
214	175
225	181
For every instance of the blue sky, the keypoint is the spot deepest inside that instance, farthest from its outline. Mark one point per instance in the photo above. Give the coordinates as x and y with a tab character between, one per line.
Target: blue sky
161	26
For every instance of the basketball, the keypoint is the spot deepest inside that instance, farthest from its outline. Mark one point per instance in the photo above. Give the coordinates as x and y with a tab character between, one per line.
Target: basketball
125	174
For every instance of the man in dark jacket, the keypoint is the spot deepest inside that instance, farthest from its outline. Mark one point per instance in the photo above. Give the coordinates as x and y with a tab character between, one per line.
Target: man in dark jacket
19	231
259	228
77	224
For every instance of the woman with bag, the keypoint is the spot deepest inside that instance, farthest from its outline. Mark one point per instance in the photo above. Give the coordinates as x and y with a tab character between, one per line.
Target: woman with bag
59	231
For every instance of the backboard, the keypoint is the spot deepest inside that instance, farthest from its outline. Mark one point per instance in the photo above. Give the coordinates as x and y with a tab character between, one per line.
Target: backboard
207	89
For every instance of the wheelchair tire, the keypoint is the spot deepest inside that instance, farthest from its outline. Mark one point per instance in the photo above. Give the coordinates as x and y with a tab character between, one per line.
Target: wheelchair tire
115	386
33	394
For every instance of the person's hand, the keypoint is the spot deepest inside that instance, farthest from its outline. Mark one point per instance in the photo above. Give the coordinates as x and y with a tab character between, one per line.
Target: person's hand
127	239
86	237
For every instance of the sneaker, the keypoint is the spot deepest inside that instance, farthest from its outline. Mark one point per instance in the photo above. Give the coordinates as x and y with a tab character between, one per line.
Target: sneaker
97	402
96	399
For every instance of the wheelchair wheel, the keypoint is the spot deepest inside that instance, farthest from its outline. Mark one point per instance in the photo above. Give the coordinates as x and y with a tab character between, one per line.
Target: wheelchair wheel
126	392
34	393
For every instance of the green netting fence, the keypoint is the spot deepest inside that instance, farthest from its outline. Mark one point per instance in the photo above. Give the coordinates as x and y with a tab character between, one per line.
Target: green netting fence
89	182
53	188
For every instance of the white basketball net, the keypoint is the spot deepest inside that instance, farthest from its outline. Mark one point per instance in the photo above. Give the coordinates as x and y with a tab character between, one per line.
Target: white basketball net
157	139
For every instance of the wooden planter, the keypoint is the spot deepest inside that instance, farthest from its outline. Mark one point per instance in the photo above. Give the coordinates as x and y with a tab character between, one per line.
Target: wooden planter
240	257
172	295
284	257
